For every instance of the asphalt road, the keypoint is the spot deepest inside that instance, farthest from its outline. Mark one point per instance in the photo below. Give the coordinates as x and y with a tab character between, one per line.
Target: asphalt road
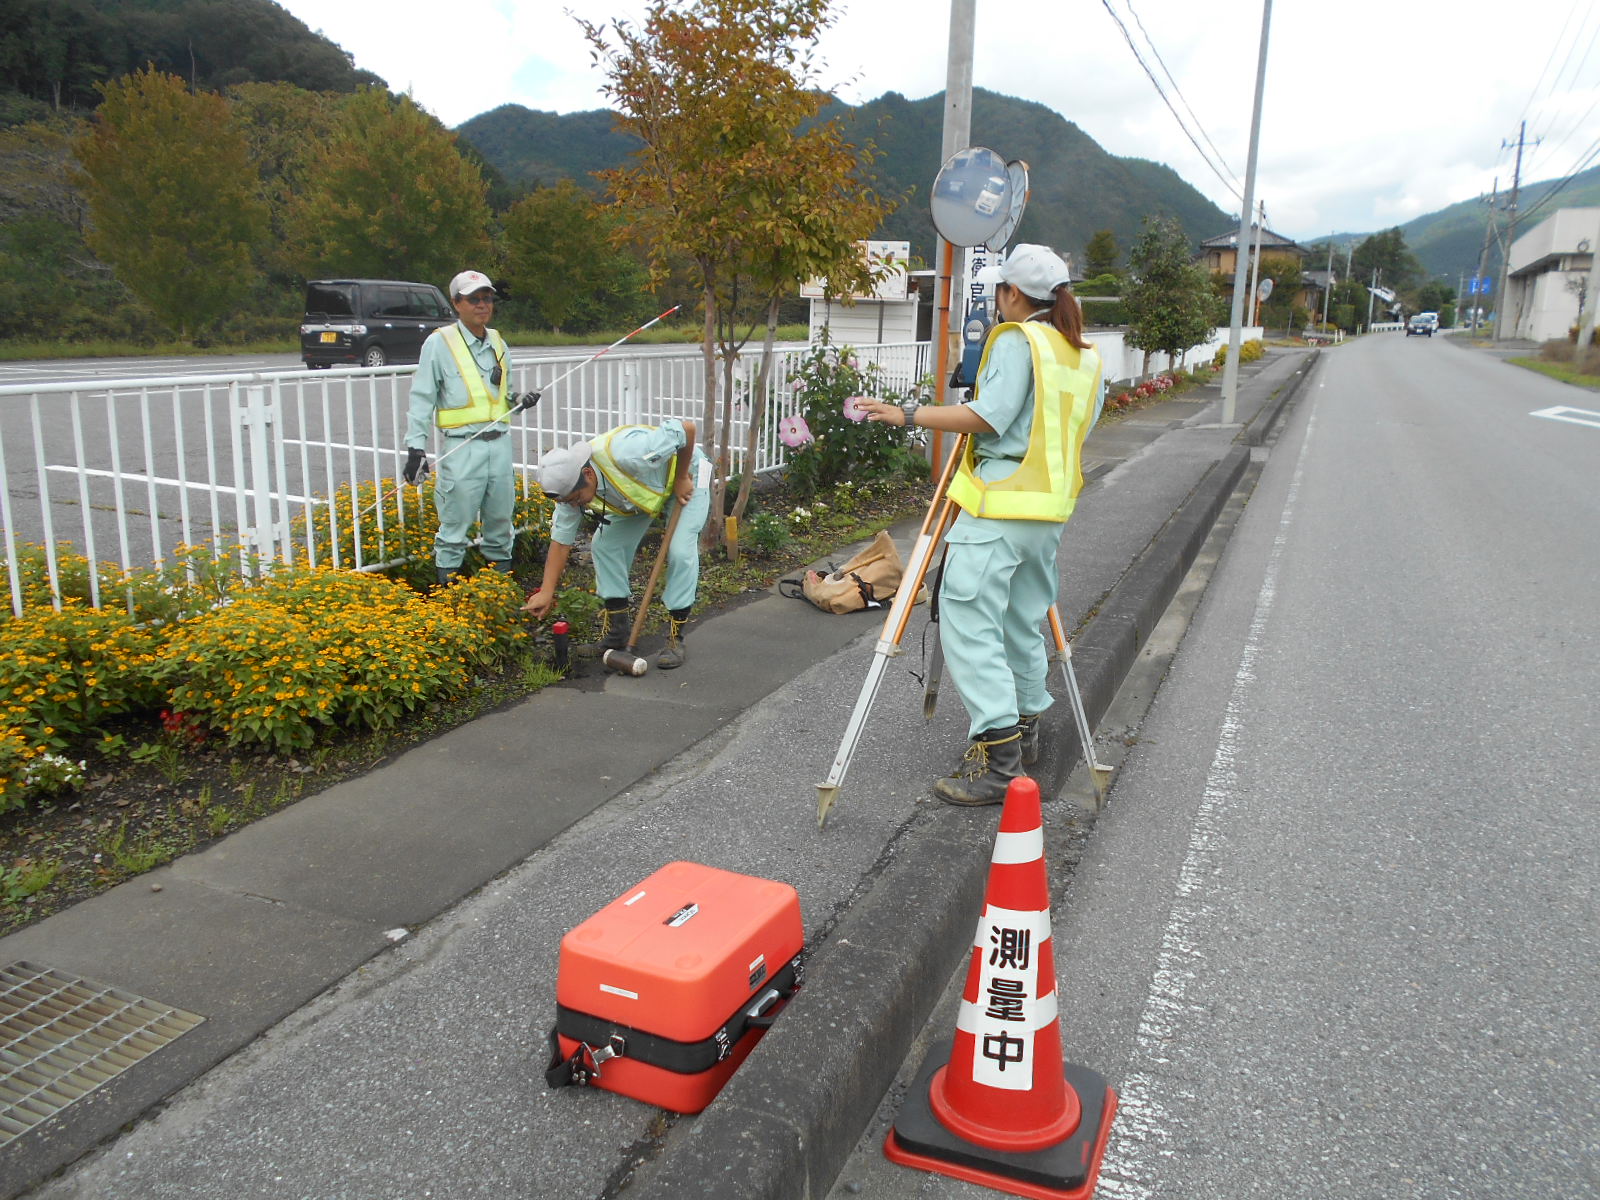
1336	933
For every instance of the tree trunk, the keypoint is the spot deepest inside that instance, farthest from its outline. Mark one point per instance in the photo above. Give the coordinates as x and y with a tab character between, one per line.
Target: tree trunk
758	411
708	420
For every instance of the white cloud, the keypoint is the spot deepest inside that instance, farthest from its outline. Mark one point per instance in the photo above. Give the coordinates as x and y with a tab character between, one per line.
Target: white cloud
1374	112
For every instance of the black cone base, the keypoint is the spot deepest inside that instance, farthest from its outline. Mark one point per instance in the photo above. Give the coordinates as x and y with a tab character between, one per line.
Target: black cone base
1065	1171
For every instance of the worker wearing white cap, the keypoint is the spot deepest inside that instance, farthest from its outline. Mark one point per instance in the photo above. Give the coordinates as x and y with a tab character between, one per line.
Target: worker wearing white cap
1039	390
463	387
628	477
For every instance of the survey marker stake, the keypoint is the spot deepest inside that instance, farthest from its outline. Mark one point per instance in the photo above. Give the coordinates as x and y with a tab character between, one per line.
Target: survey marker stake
537	392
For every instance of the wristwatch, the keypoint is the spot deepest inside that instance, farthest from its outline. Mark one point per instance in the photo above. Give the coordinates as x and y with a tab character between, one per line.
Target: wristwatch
910	409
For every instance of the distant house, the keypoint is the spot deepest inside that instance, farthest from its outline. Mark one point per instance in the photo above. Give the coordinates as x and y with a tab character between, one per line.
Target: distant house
1548	269
1220	256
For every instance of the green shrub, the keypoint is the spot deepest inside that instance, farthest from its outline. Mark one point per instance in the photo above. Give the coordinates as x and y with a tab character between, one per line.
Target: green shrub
843	448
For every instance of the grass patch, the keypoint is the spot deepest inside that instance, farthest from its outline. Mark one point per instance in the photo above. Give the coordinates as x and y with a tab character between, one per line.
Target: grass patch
656	335
1563	372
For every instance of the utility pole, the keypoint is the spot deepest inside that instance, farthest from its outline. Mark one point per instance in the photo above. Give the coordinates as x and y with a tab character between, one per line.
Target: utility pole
1483	255
1511	230
1230	372
1592	301
957	133
1371	296
1327	286
1255	265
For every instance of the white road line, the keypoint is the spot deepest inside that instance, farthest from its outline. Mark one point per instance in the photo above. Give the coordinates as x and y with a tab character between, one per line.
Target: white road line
1573	416
1143	1133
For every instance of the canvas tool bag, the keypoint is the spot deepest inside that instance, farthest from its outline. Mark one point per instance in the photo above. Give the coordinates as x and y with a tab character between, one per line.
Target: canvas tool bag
868	579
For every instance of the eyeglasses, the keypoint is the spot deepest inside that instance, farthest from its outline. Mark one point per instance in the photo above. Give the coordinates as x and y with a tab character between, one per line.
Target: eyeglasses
485	298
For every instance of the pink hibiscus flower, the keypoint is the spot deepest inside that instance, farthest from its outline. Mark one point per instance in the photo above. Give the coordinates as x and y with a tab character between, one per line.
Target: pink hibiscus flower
794	432
853	409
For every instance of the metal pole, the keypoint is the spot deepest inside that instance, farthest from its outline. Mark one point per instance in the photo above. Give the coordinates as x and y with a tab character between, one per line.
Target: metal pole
1483	255
1327	288
1511	236
1592	296
1230	373
957	133
1255	266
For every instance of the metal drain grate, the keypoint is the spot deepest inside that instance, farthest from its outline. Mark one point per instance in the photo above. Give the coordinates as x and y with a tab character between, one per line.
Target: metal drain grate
61	1037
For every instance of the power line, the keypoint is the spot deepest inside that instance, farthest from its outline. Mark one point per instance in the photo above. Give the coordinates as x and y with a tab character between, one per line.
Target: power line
1156	83
1179	92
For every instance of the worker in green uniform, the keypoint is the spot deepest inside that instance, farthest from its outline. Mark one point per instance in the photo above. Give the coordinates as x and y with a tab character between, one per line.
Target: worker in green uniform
1039	390
463	387
626	478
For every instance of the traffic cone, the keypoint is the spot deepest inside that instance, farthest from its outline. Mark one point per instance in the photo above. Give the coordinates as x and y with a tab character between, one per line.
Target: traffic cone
998	1105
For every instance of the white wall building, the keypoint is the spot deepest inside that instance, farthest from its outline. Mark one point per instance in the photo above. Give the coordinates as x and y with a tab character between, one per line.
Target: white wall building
1548	265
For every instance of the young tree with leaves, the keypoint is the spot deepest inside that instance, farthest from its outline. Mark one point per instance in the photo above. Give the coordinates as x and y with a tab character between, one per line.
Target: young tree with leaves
173	197
716	90
390	196
1169	300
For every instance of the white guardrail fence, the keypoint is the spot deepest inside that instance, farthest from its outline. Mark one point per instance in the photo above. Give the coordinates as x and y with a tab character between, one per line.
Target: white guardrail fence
124	472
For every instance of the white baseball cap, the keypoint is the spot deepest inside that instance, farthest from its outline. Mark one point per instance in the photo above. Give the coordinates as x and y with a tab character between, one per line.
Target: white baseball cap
1035	271
561	471
468	282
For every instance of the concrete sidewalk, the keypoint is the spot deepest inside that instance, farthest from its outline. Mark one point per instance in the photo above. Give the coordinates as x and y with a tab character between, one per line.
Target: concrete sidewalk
612	776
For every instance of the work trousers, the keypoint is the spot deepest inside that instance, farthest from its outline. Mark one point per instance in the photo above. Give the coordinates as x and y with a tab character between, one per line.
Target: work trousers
992	605
615	544
474	483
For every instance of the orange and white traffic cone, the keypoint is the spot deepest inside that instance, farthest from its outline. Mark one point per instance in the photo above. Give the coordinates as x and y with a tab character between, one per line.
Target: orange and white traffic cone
1004	1109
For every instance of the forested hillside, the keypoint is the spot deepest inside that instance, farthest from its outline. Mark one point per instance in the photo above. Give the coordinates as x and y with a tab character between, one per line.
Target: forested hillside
1077	188
1449	242
53	52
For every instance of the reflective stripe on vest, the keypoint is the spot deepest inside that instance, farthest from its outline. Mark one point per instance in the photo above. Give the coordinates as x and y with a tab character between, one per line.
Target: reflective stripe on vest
1045	485
639	494
480	407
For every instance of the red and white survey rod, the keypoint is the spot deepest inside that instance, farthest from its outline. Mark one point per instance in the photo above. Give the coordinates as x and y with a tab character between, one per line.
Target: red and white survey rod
553	383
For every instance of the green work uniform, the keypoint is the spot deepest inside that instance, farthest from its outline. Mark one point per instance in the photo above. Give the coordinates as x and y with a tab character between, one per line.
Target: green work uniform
1000	576
646	454
475	481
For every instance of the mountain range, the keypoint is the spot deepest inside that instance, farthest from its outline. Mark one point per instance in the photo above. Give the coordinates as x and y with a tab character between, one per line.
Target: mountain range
1076	187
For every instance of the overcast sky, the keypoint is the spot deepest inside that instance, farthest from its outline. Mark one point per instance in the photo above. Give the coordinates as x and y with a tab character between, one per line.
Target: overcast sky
1374	113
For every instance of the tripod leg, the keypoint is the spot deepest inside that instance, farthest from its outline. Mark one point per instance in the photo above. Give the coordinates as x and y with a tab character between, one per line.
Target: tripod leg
1099	773
941	512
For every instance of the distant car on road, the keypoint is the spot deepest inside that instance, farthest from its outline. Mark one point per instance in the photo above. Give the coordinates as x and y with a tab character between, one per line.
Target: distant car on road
369	322
1421	323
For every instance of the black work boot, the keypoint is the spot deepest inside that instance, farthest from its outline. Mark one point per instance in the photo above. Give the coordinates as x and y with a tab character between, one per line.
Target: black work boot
674	654
993	760
503	565
1030	738
448	575
613	629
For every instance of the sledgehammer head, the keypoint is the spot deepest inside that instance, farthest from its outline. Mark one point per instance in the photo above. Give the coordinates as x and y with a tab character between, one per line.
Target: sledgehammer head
624	663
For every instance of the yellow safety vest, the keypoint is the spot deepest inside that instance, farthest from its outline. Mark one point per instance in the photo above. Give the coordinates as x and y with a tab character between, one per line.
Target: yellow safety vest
481	406
641	495
1045	485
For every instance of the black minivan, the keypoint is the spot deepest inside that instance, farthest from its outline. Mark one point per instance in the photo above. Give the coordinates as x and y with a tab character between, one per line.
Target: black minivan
369	322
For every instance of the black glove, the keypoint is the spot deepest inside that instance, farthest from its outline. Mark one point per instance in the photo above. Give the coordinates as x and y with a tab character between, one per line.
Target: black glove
416	467
523	401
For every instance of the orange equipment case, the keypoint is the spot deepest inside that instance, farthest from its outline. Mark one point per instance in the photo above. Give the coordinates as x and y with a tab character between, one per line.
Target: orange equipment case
665	991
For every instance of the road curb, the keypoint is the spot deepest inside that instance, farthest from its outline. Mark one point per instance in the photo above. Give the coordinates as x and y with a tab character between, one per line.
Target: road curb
789	1119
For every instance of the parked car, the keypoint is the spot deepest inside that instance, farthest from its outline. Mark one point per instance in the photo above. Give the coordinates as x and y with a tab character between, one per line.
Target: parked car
1421	324
369	322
